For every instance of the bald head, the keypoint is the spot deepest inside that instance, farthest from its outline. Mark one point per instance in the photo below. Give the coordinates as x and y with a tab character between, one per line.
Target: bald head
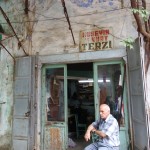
105	106
104	111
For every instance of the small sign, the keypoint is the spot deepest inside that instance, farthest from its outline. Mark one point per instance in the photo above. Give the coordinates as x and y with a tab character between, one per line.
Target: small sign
96	39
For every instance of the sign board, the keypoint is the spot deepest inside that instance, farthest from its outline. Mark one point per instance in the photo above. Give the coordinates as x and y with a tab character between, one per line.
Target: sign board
96	39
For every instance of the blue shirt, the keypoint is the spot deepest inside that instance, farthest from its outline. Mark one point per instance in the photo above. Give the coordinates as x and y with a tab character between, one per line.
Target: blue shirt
110	128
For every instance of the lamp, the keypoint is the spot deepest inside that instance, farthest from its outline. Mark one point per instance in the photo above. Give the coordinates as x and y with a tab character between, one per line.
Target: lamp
91	80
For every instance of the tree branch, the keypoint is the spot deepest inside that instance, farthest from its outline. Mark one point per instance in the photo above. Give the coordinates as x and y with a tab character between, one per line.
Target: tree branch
147	26
138	19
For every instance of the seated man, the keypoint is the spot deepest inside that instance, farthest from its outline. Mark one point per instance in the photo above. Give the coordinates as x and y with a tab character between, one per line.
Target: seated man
107	130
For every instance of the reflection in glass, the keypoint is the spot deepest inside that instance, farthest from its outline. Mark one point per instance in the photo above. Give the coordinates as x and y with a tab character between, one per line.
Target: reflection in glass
55	94
110	92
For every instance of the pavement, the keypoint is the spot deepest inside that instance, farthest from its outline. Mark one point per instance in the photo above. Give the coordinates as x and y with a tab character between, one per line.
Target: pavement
80	144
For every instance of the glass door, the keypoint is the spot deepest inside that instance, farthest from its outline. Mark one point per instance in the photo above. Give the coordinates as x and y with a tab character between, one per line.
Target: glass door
54	106
109	87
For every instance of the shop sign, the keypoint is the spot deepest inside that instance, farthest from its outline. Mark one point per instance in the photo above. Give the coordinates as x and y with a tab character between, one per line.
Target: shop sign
96	39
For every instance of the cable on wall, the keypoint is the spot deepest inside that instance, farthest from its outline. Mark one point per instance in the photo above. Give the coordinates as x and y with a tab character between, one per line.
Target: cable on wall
67	17
8	21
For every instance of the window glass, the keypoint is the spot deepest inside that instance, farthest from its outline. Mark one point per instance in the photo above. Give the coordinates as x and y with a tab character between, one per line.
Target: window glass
110	90
55	94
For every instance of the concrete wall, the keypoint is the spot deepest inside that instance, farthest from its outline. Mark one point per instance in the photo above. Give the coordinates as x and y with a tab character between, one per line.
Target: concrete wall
6	99
45	30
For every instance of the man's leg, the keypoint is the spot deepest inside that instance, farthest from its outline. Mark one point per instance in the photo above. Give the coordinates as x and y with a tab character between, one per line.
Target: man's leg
108	148
93	146
103	148
116	148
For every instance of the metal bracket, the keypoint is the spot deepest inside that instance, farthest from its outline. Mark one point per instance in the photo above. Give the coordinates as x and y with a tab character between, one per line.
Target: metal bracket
27	114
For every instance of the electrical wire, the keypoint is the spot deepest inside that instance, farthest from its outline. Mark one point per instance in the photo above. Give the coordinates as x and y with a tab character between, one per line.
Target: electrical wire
88	14
124	20
60	19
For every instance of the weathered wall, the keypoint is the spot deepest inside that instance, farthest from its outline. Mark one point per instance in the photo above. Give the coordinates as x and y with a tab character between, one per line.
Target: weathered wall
6	86
45	30
6	99
148	94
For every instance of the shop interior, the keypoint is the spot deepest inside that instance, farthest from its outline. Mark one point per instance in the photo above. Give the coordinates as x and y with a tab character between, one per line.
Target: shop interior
80	89
80	98
81	110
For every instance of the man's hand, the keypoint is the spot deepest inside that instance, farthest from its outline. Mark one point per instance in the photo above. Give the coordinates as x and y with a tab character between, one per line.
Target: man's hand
87	136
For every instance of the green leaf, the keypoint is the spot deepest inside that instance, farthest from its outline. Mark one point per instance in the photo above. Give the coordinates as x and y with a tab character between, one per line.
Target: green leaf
128	42
143	12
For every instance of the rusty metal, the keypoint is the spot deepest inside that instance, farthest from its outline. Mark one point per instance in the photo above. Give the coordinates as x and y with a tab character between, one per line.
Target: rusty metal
67	17
9	23
7	51
55	139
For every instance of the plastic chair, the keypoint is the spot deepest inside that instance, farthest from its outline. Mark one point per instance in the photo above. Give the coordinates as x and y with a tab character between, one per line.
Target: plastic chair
95	137
80	127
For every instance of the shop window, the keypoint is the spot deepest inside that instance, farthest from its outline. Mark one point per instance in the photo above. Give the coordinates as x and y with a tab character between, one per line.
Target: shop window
110	90
54	95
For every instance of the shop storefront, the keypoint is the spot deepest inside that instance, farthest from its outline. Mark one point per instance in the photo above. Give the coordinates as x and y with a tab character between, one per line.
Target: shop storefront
61	87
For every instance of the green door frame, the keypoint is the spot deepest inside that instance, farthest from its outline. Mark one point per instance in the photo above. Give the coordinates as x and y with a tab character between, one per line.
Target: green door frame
124	134
43	97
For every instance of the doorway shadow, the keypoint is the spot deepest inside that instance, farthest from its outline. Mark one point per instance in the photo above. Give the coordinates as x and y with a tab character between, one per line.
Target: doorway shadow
80	143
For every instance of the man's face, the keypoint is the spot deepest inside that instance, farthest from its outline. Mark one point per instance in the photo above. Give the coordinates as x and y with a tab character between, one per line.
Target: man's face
104	112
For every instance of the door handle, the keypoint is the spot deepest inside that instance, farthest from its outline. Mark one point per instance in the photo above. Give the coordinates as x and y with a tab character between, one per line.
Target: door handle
27	114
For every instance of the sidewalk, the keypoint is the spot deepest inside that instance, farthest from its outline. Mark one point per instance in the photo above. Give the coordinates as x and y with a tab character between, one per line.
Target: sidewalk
80	144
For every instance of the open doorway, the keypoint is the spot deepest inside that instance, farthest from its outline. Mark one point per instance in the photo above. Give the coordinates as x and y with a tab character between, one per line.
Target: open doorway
81	98
87	88
81	110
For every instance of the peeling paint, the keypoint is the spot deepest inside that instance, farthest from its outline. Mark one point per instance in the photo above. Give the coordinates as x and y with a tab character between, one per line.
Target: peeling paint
55	141
46	31
6	97
5	143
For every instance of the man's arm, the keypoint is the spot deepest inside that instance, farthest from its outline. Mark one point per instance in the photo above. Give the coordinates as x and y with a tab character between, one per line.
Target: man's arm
88	132
100	133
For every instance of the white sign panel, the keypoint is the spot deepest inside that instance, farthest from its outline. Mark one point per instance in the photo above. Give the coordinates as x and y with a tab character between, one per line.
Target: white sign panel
96	39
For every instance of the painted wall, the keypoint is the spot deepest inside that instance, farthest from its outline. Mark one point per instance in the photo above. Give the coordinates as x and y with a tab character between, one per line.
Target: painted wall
45	30
6	99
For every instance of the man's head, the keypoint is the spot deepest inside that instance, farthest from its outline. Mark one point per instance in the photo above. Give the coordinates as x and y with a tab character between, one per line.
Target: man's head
104	111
